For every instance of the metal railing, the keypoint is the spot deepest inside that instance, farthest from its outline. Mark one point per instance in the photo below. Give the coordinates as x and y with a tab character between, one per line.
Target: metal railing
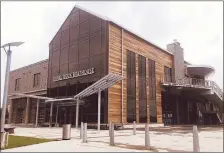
217	90
194	82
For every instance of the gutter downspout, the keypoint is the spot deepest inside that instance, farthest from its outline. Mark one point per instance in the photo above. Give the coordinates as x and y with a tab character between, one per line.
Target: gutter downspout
122	69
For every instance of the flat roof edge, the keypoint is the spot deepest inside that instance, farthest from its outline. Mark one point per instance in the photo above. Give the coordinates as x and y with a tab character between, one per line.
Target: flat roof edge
29	65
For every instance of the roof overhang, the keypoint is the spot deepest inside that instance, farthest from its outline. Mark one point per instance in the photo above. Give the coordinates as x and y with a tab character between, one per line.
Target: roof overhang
199	70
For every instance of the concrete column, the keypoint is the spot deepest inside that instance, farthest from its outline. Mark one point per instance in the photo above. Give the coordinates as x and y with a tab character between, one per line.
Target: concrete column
99	106
27	110
37	112
77	115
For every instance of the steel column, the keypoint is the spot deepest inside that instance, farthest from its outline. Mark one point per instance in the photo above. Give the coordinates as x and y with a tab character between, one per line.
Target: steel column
77	114
27	110
51	112
99	102
37	112
56	120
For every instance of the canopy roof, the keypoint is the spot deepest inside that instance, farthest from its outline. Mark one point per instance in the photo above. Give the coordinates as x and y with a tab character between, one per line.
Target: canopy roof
102	84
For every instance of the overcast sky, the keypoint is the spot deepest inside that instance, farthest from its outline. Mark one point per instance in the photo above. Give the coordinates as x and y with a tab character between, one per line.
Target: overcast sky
198	26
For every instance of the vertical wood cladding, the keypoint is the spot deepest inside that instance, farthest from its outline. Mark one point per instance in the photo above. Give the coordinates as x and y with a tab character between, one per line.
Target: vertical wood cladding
137	91
147	91
114	93
141	47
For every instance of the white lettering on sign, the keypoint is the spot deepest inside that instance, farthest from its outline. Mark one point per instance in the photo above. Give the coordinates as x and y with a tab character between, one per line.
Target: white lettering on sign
73	75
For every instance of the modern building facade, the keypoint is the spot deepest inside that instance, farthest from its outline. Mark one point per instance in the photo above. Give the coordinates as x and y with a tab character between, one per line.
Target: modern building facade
158	86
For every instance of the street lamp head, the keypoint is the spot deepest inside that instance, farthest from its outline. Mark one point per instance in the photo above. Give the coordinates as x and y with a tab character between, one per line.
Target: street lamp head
12	44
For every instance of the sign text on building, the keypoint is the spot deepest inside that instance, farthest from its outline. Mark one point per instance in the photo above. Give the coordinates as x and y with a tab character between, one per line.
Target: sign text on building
73	75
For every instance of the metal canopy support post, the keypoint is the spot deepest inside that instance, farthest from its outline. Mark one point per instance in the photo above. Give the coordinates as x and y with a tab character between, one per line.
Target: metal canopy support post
56	120
99	103
77	114
37	112
51	111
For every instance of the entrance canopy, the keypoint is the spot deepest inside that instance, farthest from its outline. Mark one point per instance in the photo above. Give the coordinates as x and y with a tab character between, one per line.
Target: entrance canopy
102	84
30	96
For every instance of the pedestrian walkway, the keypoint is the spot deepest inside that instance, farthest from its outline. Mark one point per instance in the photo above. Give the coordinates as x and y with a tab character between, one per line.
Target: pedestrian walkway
125	141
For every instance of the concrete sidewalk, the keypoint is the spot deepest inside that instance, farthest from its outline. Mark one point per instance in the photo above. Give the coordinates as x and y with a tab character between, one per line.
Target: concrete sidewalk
211	140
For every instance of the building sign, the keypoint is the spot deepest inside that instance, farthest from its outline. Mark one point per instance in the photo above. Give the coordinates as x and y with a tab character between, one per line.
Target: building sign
73	75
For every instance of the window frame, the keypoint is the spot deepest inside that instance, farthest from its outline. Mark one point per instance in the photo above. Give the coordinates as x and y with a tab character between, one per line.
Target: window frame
36	79
17	84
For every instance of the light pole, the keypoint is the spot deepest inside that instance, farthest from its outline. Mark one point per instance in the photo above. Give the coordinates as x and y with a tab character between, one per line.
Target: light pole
5	96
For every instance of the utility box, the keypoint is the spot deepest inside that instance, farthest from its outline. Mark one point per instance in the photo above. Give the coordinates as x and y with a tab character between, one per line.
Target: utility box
66	132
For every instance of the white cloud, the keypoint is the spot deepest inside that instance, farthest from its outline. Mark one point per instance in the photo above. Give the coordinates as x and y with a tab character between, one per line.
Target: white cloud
197	25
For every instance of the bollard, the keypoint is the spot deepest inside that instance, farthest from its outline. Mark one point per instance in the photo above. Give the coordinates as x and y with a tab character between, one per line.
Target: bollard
85	133
81	131
6	139
110	129
3	137
147	139
196	147
112	134
134	128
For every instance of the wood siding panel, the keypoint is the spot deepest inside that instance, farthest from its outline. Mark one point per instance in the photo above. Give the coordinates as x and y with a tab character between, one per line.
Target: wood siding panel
114	93
139	46
125	87
147	92
137	91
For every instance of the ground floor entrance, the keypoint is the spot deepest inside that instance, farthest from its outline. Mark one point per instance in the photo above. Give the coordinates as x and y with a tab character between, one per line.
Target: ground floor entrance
65	113
183	110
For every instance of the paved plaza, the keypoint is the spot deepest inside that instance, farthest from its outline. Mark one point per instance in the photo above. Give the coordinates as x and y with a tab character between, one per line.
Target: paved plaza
162	139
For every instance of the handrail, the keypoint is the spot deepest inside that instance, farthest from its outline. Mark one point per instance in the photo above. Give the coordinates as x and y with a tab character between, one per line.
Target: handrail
201	83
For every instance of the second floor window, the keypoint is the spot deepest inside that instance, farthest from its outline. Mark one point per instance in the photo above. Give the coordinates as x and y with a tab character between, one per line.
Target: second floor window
17	84
168	74
36	80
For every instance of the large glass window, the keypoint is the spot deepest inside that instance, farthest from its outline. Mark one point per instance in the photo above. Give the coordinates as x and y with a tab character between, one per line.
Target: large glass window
142	89
79	45
152	90
131	87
